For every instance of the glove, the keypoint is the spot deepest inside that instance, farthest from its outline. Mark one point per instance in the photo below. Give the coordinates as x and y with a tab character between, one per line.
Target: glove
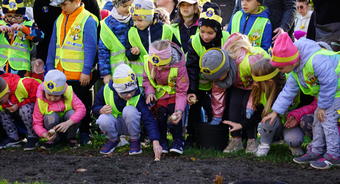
215	121
249	113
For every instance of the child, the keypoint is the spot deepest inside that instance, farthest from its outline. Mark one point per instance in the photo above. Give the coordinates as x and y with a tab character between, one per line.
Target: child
210	35
17	98
121	108
57	110
315	71
186	23
240	108
166	83
145	31
72	50
113	39
253	20
17	36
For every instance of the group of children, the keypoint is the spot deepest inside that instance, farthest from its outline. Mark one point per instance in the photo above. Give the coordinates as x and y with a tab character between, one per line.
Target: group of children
155	75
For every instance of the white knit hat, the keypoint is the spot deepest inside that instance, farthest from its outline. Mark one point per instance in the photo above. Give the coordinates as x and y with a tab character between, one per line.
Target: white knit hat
55	82
124	79
143	8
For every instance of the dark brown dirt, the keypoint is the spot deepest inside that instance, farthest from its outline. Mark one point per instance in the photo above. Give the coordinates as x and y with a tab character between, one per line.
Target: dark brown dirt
51	167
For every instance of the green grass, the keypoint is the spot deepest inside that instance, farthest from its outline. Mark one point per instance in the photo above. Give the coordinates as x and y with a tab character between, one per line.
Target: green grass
16	182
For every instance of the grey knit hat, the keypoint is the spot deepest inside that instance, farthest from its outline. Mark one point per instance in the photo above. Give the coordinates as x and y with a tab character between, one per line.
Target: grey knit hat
213	69
55	82
117	3
144	8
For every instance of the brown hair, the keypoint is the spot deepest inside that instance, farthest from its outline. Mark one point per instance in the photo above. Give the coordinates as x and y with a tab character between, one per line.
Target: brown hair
271	88
179	18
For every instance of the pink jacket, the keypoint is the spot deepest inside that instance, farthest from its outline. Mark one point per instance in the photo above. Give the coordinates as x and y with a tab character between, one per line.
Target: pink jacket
307	109
59	106
218	95
161	77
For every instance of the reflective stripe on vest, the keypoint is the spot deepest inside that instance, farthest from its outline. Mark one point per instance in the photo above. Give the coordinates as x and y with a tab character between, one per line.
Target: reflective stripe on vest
161	90
68	96
135	41
255	33
205	85
312	83
18	53
112	43
71	53
109	100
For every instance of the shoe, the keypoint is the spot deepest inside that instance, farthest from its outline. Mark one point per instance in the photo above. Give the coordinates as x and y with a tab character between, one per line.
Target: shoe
326	162
47	145
165	147
9	143
306	158
296	151
177	147
135	147
85	138
108	147
31	144
234	145
122	141
262	150
251	146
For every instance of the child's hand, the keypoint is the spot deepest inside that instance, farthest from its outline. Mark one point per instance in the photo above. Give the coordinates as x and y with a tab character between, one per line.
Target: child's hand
37	66
13	108
234	126
107	79
157	149
192	99
63	127
176	117
135	50
151	99
270	117
291	122
320	114
106	109
4	29
49	137
16	27
84	79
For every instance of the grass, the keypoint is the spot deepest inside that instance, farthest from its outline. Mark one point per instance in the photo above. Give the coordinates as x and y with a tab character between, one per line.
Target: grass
16	182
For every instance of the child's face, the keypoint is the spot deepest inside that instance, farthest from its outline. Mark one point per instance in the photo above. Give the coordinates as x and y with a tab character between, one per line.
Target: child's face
186	9
207	33
250	6
69	7
52	98
127	95
302	8
141	23
13	18
124	8
286	69
4	99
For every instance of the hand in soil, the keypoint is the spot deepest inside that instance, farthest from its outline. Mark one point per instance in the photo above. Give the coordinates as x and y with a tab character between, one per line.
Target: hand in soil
157	149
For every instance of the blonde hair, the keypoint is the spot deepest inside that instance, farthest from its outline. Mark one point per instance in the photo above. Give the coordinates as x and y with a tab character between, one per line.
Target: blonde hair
236	47
158	45
271	88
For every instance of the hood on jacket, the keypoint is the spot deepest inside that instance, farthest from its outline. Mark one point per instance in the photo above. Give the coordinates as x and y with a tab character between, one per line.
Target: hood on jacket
306	49
263	12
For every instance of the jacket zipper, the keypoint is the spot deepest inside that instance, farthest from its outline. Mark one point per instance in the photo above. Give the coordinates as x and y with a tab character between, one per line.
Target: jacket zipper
245	24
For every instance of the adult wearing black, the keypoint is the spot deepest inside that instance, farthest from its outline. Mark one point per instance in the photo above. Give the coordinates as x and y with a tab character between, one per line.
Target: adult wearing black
44	17
282	15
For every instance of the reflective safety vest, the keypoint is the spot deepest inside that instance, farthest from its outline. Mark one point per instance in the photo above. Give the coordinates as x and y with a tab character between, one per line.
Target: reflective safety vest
256	32
109	100
117	49
162	89
18	53
68	97
312	83
71	53
204	84
244	67
135	41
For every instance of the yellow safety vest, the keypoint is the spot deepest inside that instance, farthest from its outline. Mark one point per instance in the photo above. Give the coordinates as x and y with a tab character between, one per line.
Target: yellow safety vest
18	53
71	53
68	97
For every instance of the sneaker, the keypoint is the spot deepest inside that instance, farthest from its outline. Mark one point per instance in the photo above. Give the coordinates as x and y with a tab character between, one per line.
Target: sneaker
165	147
135	147
9	143
234	145
262	150
306	158
251	146
108	147
31	144
177	147
326	162
296	151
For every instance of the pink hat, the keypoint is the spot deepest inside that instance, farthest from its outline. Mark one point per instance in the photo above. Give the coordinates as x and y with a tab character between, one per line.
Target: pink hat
284	51
160	57
299	34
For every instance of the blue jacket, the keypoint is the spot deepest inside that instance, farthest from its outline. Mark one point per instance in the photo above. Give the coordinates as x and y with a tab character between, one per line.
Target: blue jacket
108	6
156	31
120	30
247	22
90	46
324	70
146	116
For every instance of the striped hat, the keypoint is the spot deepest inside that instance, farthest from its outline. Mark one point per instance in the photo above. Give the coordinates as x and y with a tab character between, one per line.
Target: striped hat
284	52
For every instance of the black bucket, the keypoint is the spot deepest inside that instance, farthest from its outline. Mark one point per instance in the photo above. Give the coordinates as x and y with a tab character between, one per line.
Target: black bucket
212	136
